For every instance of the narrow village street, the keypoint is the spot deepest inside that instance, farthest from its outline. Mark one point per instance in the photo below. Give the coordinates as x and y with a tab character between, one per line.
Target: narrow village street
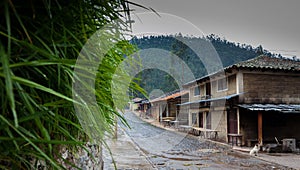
145	146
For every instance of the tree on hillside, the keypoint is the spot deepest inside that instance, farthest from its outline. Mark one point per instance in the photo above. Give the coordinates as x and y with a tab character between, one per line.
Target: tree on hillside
229	53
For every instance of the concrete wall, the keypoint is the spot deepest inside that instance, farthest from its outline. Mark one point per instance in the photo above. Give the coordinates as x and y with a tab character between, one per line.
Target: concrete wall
231	87
271	88
219	122
198	97
183	115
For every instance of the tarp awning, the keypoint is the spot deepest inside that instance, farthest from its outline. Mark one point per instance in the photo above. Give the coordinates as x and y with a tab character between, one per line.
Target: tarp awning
211	99
285	108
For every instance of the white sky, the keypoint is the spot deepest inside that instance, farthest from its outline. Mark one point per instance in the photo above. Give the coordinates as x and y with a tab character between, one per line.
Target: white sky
275	24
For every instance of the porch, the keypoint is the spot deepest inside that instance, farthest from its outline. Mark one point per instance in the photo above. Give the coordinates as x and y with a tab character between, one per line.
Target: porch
269	123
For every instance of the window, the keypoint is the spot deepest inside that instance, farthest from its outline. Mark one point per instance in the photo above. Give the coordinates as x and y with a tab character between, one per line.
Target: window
208	91
222	84
197	91
194	119
197	119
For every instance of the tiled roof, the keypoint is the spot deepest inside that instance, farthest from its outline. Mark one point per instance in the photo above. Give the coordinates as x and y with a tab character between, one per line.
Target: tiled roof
266	62
171	96
136	100
260	62
285	108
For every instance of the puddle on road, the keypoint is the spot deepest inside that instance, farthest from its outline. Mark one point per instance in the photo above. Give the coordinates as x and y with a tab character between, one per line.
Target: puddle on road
237	155
182	159
209	151
274	154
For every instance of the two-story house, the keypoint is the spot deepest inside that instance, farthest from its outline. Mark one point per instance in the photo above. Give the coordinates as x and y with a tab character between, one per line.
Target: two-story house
258	99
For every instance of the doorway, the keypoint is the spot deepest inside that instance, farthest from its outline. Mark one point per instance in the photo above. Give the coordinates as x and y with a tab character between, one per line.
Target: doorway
232	124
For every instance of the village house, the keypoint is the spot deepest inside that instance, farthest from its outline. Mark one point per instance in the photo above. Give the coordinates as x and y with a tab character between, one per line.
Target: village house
166	107
140	105
251	101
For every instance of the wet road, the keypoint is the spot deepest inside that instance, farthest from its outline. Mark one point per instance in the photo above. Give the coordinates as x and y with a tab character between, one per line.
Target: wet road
172	150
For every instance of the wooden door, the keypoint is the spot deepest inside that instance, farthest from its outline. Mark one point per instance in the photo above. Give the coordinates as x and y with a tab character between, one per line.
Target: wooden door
232	121
200	115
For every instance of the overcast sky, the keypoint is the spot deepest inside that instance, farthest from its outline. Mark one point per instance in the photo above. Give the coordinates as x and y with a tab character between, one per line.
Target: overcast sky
275	24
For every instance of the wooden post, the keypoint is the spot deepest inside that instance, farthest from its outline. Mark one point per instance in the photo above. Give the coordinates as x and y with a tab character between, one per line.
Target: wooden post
260	128
116	127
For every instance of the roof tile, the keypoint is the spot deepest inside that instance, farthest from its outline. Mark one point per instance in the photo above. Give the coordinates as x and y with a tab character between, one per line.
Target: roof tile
270	63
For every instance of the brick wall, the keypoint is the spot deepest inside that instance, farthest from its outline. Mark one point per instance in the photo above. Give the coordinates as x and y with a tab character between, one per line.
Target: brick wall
271	88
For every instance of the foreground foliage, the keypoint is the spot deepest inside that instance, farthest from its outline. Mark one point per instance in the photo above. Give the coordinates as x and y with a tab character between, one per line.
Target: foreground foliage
39	44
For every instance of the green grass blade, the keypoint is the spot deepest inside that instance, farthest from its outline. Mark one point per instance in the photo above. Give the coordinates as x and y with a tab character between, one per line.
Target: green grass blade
38	86
12	137
55	142
20	21
8	83
30	142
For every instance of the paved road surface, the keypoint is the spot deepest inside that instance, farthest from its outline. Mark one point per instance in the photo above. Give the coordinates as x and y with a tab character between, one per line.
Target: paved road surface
156	148
125	153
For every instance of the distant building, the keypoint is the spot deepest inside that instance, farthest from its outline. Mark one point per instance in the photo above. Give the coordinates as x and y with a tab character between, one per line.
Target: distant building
135	104
167	105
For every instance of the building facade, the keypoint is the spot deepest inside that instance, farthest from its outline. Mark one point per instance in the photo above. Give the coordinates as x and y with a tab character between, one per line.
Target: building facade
258	100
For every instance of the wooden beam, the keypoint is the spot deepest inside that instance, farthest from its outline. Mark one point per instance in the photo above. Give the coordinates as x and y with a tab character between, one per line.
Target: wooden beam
260	128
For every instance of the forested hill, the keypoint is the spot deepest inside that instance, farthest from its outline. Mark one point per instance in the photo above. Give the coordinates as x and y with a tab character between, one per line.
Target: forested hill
228	52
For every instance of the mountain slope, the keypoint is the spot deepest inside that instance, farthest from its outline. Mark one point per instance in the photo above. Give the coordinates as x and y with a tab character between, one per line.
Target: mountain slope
198	54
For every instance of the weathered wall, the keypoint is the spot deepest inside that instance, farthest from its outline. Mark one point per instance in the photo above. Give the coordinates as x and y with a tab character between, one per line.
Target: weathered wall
248	124
218	117
154	111
271	88
231	87
219	122
183	115
192	97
